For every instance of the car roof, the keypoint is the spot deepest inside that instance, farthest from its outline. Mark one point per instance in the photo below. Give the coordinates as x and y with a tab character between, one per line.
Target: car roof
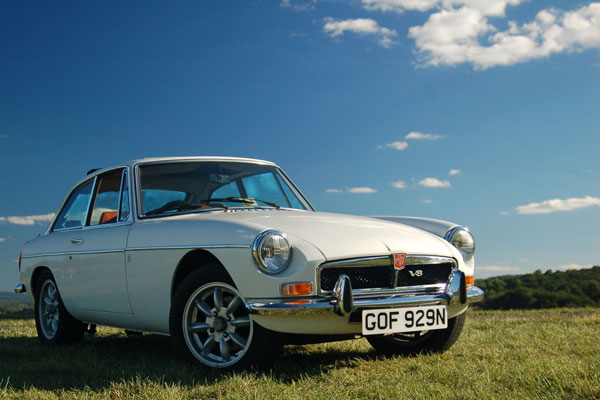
151	160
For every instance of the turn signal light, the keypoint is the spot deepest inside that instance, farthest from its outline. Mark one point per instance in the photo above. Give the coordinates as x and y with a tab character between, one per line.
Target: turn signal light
296	289
470	280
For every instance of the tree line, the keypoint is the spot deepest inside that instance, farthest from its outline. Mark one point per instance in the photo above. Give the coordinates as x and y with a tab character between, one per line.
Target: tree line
550	289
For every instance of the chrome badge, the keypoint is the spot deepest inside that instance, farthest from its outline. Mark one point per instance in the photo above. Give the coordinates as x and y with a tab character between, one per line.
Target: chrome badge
399	261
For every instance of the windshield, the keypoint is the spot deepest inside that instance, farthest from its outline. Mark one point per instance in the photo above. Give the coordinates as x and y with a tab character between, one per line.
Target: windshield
176	187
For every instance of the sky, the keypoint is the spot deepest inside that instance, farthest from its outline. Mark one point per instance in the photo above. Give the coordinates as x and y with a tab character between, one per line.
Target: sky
480	112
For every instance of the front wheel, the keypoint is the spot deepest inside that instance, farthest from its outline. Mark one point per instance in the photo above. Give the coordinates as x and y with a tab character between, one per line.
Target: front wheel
436	341
210	324
53	322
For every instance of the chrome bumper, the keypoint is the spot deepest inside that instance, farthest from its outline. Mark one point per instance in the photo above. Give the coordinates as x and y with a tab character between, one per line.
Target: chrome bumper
456	295
20	289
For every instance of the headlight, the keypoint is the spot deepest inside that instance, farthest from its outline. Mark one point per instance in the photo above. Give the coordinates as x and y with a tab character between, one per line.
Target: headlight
462	239
272	251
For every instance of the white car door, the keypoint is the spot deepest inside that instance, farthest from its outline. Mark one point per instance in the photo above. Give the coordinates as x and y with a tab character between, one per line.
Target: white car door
95	278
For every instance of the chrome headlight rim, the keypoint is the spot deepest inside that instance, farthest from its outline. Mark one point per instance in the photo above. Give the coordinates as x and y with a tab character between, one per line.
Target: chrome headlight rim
467	252
257	246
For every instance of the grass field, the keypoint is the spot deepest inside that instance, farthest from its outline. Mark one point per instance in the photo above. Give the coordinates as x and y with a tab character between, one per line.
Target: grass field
553	354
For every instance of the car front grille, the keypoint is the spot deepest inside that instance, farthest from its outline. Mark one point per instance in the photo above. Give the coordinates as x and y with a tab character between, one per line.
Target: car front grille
360	278
379	272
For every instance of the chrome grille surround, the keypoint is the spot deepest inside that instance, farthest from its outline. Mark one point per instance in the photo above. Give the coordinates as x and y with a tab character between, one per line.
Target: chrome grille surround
387	261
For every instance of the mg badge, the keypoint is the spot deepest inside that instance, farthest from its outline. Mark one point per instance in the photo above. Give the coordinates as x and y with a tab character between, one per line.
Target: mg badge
399	261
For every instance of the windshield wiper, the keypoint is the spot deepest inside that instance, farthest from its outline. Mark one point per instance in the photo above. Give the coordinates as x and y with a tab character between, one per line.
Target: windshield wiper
179	205
243	200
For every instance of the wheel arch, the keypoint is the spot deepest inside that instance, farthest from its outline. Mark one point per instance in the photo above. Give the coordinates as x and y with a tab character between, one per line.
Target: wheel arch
35	277
192	261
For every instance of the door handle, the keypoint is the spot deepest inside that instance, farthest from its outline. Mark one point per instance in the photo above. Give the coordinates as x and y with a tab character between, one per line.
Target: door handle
76	241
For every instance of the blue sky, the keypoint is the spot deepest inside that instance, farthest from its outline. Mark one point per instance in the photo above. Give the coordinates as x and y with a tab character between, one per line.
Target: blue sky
481	112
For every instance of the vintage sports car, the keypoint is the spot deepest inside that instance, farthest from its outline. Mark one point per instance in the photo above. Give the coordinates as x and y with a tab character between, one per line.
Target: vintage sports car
228	257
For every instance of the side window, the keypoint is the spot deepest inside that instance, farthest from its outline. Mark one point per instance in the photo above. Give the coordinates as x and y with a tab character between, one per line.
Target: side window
106	199
124	210
74	212
264	186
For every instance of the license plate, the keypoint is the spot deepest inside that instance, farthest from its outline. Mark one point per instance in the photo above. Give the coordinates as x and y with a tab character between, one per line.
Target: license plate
399	320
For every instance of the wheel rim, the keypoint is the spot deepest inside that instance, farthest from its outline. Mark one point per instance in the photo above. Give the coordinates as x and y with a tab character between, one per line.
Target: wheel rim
48	309
216	326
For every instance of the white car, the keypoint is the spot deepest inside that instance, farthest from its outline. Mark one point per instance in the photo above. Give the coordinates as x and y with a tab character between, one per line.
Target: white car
227	257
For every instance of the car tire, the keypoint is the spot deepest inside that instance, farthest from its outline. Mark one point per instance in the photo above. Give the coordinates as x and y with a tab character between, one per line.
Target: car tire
436	341
210	324
53	322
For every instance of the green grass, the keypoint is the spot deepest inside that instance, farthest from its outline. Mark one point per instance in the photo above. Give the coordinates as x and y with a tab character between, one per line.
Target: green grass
550	354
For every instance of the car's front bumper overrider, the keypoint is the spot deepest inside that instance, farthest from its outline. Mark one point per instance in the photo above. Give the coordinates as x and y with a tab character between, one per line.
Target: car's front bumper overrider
456	295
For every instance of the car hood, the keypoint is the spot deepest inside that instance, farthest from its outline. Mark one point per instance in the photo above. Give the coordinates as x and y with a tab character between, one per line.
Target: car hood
339	236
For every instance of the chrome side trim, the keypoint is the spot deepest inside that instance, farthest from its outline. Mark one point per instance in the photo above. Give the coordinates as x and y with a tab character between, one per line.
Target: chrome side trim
20	288
206	247
102	226
72	253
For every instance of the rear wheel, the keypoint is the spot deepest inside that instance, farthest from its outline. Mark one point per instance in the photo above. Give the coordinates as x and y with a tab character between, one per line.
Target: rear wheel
436	341
53	322
210	324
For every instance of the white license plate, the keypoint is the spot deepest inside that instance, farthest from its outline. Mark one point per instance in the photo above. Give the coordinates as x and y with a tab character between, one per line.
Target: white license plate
399	320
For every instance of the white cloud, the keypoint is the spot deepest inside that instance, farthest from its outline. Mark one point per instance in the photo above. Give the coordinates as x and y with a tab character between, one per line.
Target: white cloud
486	7
399	184
2	240
434	183
27	220
3	137
399	5
398	145
361	190
298	5
489	271
427	201
360	26
555	205
453	36
422	136
574	266
455	172
504	213
460	31
353	190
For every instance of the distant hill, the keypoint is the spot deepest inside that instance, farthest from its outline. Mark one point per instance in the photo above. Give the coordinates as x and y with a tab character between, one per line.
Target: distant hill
550	289
13	305
13	296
